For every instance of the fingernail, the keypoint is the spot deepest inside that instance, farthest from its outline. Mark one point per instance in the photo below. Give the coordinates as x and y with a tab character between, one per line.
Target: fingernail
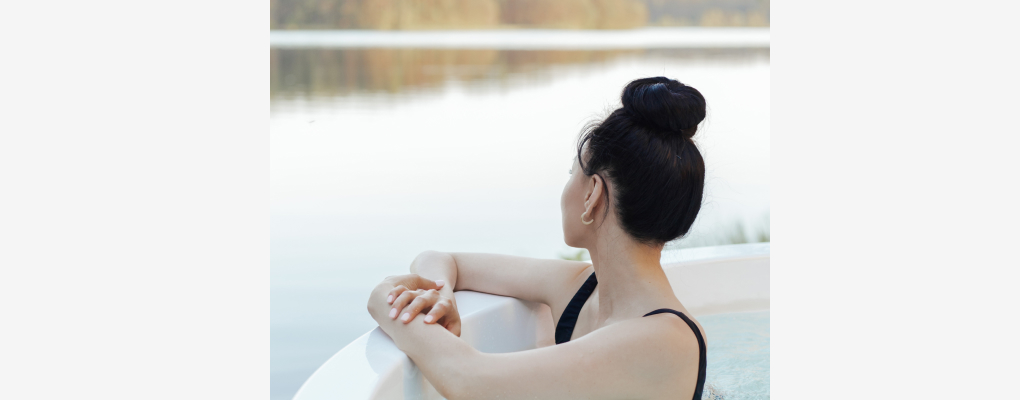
428	318
389	299
393	313
440	282
406	317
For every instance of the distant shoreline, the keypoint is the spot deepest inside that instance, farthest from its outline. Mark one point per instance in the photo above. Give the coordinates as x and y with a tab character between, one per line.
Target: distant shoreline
528	39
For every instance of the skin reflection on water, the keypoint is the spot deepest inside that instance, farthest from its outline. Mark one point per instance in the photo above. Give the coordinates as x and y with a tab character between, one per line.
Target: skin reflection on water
337	72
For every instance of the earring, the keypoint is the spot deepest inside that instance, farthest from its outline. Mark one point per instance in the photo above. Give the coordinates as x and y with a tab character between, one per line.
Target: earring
586	222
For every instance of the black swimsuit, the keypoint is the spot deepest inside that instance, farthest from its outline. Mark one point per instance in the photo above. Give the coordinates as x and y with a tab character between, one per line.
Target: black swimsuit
565	328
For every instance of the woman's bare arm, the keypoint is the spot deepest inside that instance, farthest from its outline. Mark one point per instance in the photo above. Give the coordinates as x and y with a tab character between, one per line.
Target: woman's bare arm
628	359
540	280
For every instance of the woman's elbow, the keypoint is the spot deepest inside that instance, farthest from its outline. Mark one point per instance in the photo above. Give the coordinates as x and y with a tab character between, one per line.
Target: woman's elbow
429	255
432	254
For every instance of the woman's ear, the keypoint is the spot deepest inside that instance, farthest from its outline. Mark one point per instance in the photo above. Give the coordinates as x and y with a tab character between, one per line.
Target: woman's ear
595	196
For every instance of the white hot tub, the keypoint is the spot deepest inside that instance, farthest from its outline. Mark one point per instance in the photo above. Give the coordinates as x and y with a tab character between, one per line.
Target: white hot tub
731	279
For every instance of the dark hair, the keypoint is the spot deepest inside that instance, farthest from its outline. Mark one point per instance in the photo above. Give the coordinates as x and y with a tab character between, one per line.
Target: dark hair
645	148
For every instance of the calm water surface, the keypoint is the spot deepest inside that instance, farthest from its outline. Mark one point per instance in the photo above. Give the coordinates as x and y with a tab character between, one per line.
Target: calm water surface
379	154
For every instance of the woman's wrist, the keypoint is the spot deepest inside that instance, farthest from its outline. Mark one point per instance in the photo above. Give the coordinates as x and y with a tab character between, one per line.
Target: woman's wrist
446	291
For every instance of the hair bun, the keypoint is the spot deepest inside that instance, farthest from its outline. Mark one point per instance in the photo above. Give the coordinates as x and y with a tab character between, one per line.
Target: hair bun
664	104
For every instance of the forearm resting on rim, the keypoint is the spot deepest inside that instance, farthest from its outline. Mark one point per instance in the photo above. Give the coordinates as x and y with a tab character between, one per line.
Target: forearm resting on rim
446	361
442	357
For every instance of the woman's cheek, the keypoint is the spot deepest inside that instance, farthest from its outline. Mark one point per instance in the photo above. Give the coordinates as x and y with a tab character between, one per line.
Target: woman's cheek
568	226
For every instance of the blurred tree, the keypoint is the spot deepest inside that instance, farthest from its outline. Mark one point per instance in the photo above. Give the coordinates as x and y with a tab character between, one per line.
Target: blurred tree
482	14
708	12
333	72
423	14
575	14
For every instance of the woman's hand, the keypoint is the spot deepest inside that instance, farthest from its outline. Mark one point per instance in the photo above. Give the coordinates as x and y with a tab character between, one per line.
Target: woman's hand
412	294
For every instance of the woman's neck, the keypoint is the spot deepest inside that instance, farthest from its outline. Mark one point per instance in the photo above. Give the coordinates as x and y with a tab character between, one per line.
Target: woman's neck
630	277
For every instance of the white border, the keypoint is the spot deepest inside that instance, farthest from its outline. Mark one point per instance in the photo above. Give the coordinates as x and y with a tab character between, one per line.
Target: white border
531	39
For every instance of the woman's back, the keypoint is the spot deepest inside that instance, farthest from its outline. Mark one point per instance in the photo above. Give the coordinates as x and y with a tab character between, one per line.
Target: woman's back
566	326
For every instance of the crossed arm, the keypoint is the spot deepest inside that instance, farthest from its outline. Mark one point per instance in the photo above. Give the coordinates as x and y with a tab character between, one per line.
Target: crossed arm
629	359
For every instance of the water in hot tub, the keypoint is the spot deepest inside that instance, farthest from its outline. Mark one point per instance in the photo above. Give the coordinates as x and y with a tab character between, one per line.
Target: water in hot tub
738	355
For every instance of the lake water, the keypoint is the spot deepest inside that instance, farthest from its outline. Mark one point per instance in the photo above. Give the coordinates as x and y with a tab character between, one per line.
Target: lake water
380	153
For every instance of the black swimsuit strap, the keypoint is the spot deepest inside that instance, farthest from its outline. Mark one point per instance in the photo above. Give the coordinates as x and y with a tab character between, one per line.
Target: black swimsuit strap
565	328
702	357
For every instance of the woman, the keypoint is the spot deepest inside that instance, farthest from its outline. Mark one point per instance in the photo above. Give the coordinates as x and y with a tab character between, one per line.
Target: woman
635	184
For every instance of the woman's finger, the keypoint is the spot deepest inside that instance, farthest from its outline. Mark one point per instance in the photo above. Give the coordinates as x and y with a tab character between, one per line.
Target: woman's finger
425	283
395	292
401	301
425	300
438	311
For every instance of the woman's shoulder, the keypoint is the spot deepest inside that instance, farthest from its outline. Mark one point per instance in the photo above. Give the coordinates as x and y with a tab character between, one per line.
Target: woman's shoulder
670	325
675	328
655	337
667	343
657	347
678	317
